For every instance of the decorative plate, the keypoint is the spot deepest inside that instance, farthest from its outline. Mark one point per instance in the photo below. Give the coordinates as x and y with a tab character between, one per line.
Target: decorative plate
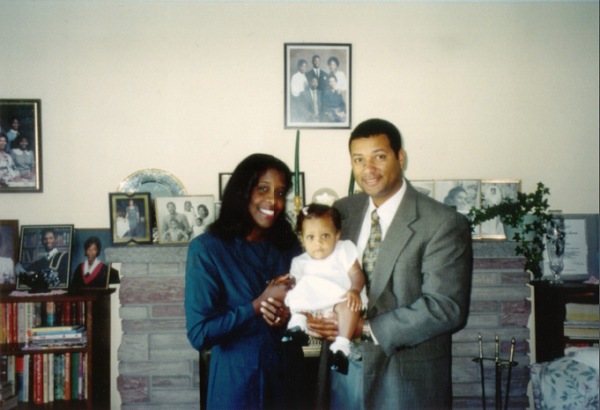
155	181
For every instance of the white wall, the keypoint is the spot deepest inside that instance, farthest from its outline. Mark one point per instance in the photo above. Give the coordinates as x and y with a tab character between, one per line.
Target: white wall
500	90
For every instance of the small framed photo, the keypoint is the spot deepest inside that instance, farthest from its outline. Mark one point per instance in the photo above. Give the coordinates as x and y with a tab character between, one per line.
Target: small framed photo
290	202
224	178
45	257
493	191
426	187
20	146
91	271
181	218
9	252
462	195
130	217
318	86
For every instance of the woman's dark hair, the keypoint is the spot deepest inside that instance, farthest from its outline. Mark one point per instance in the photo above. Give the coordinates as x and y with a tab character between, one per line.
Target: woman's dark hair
235	219
450	198
93	240
316	211
334	59
203	207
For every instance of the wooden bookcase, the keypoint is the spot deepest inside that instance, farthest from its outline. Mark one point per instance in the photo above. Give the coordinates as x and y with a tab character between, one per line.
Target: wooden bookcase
549	305
97	322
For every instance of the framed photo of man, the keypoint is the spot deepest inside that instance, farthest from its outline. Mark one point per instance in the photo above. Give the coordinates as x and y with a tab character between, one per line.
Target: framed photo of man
318	86
20	146
91	271
9	252
130	218
181	218
44	257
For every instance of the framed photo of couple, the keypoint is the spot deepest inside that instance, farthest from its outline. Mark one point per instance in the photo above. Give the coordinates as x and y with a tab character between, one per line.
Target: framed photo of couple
318	86
130	218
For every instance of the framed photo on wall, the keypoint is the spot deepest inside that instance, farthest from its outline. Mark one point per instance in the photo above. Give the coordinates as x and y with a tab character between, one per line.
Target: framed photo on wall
130	218
318	86
182	218
426	187
20	146
91	270
9	252
494	191
45	255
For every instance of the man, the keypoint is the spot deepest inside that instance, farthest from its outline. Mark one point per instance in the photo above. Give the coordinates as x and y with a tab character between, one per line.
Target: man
54	264
297	85
317	73
181	219
310	102
419	285
333	107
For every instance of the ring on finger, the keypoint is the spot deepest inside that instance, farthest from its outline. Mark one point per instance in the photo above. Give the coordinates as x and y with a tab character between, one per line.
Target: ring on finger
277	319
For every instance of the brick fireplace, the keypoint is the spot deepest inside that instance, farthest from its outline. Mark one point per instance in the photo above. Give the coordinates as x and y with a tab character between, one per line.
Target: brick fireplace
158	369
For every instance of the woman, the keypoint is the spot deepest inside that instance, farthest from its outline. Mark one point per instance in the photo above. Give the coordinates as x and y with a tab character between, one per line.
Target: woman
23	158
12	133
457	199
92	273
235	272
132	214
8	170
341	82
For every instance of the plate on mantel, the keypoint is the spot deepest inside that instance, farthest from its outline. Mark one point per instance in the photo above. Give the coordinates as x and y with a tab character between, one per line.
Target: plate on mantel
155	181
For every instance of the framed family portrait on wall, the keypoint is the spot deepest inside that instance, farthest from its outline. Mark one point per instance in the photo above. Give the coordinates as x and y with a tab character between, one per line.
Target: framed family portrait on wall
20	146
180	219
9	252
318	86
130	218
44	257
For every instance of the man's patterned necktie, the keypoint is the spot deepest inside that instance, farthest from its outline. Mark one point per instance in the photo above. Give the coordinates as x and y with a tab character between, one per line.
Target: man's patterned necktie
372	248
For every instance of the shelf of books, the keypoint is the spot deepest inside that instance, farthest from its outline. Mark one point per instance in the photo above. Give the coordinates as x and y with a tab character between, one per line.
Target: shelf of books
566	315
53	349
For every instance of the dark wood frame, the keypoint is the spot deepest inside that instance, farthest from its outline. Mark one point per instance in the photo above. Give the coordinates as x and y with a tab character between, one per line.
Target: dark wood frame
31	111
13	226
145	197
293	52
27	231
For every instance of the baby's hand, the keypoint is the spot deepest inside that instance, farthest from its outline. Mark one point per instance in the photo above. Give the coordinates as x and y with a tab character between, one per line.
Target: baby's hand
354	301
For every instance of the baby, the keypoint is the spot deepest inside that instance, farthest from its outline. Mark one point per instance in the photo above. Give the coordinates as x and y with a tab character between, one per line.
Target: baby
328	278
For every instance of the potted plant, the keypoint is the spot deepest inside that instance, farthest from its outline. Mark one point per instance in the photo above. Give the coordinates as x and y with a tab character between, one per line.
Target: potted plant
527	215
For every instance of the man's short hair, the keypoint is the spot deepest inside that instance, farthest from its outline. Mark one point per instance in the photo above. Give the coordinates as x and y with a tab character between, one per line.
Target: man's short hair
376	126
48	230
315	56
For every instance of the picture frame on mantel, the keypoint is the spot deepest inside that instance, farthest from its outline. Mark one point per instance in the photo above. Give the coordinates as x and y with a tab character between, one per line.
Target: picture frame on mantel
130	217
20	146
318	85
493	191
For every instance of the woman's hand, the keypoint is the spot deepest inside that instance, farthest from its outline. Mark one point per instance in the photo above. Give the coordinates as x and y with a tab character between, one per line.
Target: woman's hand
321	327
270	302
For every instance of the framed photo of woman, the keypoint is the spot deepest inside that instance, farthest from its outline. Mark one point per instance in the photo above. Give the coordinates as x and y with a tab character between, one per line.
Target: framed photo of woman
91	271
462	195
494	191
130	218
9	252
181	218
318	86
20	146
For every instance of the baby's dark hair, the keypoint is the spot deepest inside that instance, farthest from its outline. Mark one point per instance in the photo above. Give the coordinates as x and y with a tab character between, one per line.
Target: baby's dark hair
315	211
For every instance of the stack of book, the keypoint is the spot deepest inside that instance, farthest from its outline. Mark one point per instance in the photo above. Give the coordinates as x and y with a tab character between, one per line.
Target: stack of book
581	321
8	398
56	336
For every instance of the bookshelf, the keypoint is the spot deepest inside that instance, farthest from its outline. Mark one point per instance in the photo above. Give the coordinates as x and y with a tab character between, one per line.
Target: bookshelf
96	377
549	306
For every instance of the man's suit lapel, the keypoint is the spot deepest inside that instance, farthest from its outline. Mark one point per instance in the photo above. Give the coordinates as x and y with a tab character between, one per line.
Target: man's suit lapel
396	238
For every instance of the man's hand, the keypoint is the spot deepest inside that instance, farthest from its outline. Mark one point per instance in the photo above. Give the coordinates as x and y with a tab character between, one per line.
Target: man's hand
321	327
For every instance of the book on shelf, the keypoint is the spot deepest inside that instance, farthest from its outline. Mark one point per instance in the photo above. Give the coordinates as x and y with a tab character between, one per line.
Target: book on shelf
582	312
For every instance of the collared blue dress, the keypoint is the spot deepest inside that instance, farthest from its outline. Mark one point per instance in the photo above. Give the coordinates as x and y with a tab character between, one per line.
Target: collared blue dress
250	368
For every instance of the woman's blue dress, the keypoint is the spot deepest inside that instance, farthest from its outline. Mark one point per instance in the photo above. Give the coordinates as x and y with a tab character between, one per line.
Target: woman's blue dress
250	368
